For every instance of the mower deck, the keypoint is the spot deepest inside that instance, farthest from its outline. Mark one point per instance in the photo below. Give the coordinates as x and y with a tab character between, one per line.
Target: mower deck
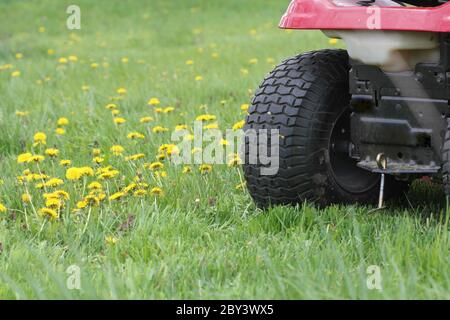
399	168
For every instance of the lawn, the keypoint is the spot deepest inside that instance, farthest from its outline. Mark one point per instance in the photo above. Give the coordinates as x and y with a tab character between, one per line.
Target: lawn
135	225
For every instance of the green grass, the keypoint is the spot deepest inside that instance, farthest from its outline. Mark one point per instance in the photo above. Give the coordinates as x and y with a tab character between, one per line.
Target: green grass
204	238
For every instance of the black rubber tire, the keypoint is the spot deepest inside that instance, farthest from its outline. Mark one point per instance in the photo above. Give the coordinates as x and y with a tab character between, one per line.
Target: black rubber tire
303	98
446	160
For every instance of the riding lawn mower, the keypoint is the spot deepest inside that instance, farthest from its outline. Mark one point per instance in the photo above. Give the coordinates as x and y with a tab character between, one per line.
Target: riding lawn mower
357	125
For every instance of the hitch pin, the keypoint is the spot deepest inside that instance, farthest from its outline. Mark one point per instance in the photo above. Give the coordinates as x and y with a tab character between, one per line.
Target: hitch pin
382	164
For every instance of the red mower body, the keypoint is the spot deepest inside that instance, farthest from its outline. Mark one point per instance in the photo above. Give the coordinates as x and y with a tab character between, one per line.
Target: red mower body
325	15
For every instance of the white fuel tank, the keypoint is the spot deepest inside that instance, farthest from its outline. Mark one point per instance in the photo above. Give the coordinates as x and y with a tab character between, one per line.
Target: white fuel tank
392	51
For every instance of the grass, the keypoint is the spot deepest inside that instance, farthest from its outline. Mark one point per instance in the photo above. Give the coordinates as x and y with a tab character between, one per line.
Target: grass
203	238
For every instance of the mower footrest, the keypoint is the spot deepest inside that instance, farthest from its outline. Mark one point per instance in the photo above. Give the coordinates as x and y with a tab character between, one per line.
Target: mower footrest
399	167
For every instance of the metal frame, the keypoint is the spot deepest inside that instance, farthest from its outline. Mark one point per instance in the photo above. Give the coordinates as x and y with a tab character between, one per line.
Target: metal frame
402	115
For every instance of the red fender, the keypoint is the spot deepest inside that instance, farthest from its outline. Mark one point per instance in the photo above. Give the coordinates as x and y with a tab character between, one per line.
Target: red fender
323	14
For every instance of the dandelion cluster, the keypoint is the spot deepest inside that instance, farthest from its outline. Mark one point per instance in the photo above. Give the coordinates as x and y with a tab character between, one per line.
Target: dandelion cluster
61	175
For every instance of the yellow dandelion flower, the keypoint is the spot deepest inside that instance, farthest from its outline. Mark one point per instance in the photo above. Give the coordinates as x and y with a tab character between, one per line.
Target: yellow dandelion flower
82	204
117	150
53	203
36	158
26	198
101	196
153	102
96	151
86	171
244	107
54	182
95	185
19	55
169	149
161	174
124	60
253	61
187	169
98	160
62	121
181	127
168	109
121	91
73	58
205	168
15	74
60	131
58	194
160	156
24	157
145	119
211	126
108	174
156	191
22	113
189	62
130	187
135	135
65	162
6	66
111	106
41	29
73	173
92	200
214	55
110	240
135	157
94	65
2	208
50	52
52	152
244	71
117	196
158	110
85	88
333	41
140	192
49	213
119	120
155	166
198	78
62	60
40	185
206	117
115	112
40	138
159	129
239	125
